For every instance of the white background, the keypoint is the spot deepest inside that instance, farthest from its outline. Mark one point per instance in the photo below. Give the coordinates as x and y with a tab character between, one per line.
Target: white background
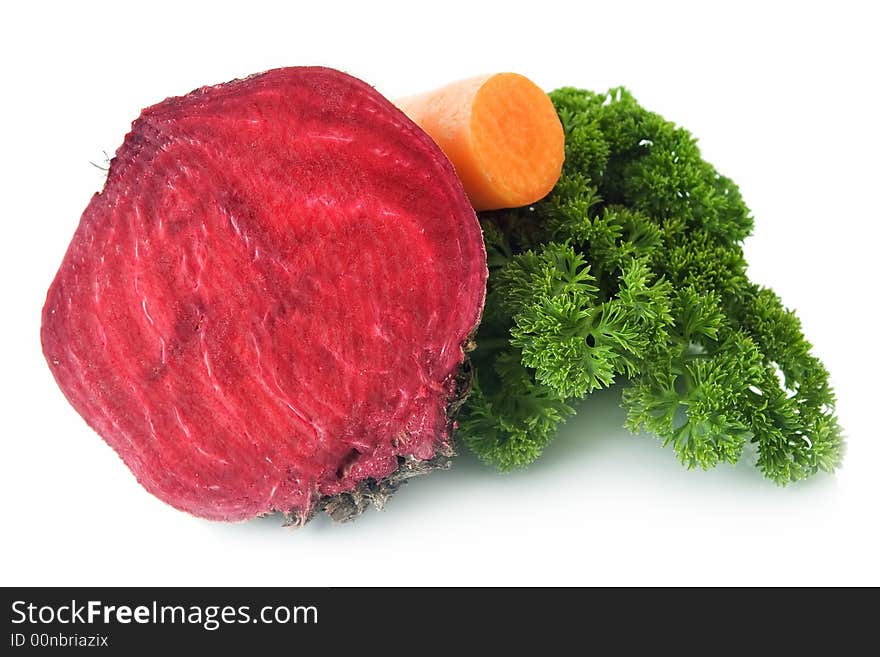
784	100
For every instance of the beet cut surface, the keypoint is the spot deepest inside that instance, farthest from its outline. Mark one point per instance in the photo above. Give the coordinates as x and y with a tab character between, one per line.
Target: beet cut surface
267	304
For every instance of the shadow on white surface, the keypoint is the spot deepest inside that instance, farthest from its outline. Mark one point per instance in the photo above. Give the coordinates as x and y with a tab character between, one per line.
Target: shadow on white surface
593	458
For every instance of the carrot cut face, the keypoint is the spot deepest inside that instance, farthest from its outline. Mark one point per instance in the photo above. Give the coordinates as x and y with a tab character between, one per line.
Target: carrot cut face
501	133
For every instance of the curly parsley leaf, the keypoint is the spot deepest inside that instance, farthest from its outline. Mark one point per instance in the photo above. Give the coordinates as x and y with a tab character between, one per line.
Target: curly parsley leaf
632	269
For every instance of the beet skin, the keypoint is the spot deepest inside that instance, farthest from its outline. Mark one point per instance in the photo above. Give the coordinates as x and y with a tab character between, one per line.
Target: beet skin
265	309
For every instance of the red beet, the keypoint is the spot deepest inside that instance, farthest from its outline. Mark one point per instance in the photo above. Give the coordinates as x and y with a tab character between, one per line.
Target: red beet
267	305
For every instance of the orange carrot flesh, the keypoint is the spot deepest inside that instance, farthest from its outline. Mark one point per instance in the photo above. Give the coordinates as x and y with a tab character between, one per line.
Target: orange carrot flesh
501	134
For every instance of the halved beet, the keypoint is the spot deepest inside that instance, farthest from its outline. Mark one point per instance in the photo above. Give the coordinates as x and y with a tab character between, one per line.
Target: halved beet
267	306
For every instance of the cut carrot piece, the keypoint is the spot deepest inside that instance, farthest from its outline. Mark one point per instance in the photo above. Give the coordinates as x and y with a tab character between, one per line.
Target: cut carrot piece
501	133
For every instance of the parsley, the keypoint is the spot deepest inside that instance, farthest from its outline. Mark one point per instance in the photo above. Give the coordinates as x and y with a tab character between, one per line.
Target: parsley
632	270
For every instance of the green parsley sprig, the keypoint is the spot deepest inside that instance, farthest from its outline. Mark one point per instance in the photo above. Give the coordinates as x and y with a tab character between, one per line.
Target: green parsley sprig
632	269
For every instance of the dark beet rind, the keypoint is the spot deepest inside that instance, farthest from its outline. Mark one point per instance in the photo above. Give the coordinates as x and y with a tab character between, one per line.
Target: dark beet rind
266	307
371	492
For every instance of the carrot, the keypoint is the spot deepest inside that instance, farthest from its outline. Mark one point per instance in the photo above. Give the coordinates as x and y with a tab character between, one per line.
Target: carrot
501	134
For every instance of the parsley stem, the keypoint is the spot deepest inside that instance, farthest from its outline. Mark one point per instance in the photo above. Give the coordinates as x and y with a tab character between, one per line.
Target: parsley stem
493	343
